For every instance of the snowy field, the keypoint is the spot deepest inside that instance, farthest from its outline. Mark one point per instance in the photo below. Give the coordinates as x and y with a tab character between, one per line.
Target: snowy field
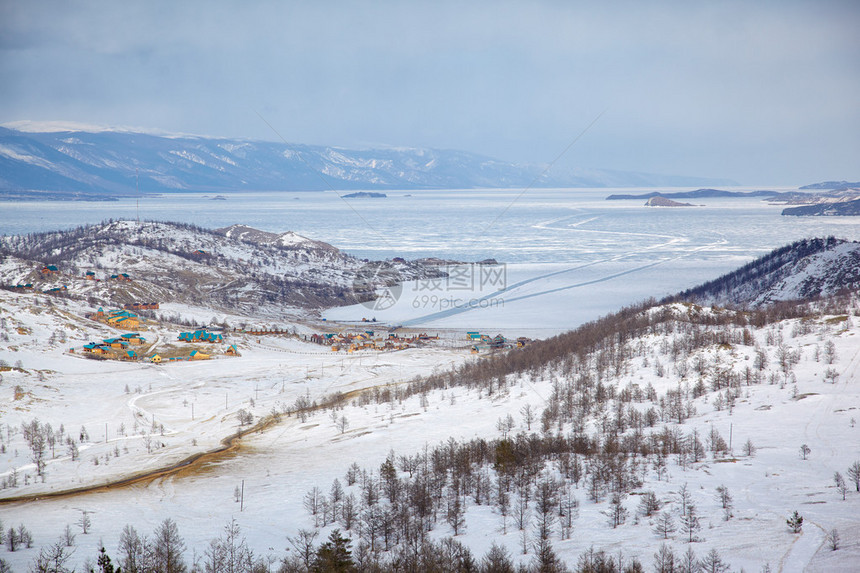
280	465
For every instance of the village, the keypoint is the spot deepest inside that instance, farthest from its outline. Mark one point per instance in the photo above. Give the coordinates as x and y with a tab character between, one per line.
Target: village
131	346
370	340
207	343
52	271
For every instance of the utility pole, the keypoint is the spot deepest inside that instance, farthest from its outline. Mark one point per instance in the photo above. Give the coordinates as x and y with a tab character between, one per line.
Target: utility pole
242	498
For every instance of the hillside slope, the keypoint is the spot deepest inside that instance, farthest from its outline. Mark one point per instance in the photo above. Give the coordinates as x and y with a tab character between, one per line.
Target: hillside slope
806	269
848	208
173	262
587	443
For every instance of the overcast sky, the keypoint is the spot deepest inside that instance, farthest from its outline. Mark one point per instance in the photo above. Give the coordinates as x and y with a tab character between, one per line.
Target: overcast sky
765	93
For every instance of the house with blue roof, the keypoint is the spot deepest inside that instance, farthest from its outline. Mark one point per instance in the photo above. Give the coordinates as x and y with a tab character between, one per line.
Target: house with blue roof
200	336
116	342
133	338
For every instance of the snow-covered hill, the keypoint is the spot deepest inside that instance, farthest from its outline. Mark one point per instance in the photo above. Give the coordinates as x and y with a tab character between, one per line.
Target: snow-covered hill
286	239
108	163
661	429
670	403
806	269
256	273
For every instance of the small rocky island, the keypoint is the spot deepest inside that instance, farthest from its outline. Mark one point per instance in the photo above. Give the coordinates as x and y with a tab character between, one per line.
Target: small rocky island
660	201
365	195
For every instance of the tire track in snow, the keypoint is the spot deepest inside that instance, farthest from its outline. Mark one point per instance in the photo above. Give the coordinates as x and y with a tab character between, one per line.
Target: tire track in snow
804	548
547	226
475	304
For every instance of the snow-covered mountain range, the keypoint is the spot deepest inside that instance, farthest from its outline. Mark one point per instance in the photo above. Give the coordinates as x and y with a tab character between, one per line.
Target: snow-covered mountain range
84	163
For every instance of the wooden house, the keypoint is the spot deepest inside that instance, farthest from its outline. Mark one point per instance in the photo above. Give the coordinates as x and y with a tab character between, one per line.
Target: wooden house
94	348
90	276
197	355
127	322
140	306
115	342
133	338
115	316
232	350
156	359
200	336
50	270
128	355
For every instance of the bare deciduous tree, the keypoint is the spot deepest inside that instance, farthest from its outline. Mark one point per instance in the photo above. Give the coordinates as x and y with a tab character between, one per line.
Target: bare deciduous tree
726	501
841	486
665	525
854	474
167	548
84	522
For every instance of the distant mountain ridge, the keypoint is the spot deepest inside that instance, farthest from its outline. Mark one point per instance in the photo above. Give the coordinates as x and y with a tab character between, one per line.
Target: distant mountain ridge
101	164
833	185
803	270
697	194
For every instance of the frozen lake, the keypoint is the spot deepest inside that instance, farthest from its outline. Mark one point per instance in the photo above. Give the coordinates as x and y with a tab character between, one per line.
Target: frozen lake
570	255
